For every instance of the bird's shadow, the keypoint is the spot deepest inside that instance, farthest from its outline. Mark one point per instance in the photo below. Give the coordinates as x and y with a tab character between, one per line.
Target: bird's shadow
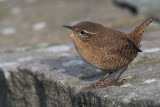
74	66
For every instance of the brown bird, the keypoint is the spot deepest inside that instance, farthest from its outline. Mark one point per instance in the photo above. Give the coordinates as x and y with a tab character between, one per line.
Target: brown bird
107	49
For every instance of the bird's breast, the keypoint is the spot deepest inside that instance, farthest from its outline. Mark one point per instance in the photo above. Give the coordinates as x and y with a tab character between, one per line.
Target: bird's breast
99	58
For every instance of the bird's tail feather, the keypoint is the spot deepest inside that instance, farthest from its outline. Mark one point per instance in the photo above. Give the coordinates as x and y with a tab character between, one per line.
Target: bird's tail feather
136	35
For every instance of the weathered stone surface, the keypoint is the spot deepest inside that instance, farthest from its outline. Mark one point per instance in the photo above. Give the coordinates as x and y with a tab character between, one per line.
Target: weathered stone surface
43	84
36	71
48	78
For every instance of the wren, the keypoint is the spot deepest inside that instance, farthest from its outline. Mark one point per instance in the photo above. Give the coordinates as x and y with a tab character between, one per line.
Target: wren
107	49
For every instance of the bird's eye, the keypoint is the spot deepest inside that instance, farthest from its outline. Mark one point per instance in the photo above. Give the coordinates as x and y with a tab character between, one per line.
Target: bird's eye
82	32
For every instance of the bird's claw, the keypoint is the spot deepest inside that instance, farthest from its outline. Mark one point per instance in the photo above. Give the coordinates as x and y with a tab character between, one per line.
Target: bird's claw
103	84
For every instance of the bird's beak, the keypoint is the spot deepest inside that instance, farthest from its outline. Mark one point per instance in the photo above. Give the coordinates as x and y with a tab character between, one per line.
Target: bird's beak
69	27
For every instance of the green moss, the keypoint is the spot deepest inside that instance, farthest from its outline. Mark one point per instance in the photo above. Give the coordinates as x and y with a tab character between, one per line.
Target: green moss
146	61
68	81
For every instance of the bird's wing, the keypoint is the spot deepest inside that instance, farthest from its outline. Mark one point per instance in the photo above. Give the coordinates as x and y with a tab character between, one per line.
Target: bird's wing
117	43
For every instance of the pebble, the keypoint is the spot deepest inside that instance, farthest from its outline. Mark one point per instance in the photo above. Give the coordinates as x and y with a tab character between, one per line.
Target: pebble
126	85
149	81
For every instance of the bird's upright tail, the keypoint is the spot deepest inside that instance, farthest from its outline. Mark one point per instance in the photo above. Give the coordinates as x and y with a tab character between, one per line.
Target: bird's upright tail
136	35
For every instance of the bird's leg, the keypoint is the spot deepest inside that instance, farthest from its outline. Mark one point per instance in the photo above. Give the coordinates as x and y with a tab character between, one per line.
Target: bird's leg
114	81
110	82
101	81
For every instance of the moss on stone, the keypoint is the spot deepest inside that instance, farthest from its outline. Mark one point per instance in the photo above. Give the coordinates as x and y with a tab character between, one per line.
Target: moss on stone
146	61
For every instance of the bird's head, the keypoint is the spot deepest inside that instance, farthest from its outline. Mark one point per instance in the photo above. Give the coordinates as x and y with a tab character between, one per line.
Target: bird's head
85	31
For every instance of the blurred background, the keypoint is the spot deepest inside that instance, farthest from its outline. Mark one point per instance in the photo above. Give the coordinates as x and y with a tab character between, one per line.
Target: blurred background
38	23
31	30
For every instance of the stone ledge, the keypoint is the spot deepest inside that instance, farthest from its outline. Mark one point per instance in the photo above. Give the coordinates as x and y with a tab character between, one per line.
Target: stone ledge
46	83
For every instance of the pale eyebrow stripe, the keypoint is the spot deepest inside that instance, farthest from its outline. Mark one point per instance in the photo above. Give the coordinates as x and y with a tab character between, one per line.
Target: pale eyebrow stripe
88	32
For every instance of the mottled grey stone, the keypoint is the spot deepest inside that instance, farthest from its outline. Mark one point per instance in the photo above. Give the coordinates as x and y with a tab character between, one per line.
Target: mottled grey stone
40	78
38	84
40	67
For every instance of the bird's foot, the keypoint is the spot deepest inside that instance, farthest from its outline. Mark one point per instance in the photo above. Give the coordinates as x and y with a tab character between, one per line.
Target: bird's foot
99	83
110	82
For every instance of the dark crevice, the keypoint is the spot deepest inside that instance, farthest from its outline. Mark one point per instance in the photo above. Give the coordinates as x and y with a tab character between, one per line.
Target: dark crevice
71	96
57	90
40	92
128	6
86	99
27	86
3	90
